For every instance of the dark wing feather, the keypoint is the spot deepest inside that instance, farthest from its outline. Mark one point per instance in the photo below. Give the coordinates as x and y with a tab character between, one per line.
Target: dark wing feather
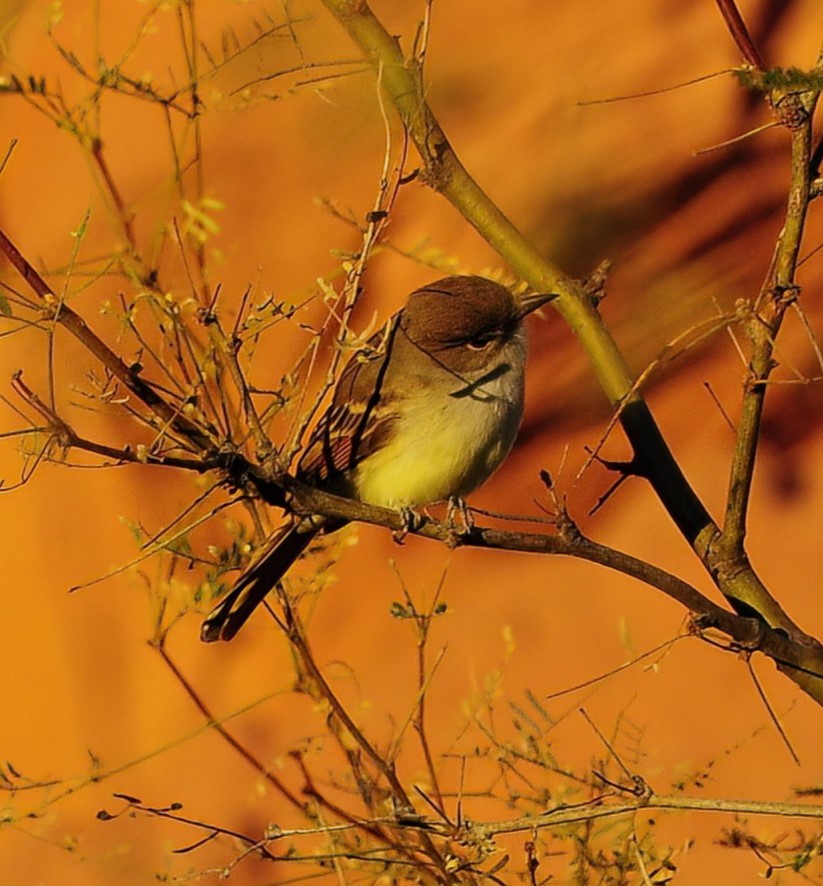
358	421
267	568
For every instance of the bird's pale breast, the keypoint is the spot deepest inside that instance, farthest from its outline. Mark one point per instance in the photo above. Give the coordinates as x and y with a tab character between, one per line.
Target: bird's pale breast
448	443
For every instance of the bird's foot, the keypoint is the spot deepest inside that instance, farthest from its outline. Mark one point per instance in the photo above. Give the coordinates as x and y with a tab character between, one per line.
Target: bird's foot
412	521
457	508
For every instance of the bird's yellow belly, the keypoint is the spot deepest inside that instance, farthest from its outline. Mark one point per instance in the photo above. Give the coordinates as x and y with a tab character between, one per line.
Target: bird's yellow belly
436	454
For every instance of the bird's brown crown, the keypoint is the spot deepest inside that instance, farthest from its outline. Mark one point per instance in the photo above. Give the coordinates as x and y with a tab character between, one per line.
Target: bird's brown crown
458	310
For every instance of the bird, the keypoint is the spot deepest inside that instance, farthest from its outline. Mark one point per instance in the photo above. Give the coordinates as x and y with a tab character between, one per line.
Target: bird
426	412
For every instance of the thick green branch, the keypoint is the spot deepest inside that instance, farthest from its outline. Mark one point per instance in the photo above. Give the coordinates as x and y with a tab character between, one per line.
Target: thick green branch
444	172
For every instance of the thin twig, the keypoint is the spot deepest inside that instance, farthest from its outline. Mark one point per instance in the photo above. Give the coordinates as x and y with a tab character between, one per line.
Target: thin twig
772	713
224	733
76	325
740	34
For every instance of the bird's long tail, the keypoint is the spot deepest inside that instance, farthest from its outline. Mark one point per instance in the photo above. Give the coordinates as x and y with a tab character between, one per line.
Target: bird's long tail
231	613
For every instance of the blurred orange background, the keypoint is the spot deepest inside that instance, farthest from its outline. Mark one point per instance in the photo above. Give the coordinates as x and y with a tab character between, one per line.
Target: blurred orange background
521	89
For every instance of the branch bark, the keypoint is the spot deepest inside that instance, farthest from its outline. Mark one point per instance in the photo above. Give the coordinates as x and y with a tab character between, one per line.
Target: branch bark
600	809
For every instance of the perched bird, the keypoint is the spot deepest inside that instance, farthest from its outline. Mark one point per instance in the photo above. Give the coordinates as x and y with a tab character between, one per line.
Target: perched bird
426	413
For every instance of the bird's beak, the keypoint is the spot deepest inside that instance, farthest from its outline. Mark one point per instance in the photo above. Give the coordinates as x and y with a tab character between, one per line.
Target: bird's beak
528	303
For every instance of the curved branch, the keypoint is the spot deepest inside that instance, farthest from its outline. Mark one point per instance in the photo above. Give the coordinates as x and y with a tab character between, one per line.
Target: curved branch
749	634
652	457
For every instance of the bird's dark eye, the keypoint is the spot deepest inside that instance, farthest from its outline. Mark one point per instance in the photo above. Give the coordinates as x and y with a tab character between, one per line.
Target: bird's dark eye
481	341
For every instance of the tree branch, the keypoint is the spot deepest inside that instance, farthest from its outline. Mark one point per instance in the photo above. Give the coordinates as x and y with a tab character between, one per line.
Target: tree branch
168	416
740	34
798	660
652	457
598	808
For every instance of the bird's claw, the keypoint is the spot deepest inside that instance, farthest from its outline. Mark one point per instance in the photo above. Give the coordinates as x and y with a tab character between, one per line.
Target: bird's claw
457	507
411	520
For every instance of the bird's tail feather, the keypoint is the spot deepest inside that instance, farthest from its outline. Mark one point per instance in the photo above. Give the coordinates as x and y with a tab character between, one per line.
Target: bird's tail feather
231	613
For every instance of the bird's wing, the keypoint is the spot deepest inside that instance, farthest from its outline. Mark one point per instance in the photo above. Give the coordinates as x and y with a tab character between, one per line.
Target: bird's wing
360	418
